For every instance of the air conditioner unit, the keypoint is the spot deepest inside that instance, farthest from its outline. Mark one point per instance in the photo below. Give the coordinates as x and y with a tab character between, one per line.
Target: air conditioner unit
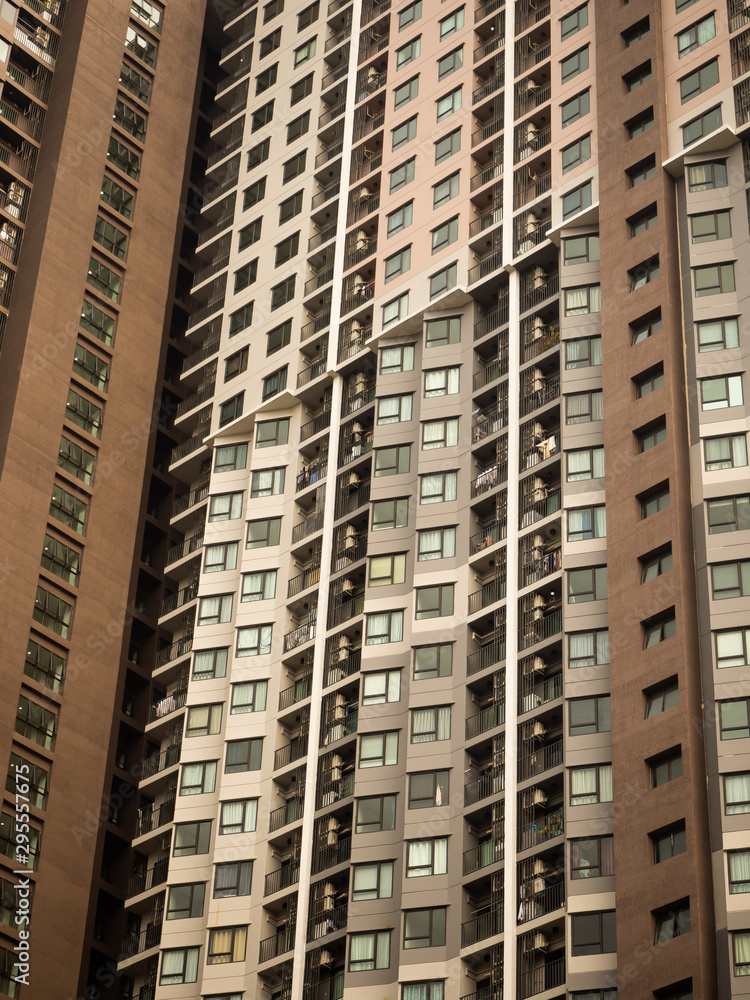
332	832
329	890
3	280
539	326
362	240
358	283
359	382
347	586
356	428
531	132
540	601
350	537
339	709
538	542
16	193
364	194
356	328
531	86
538	277
532	223
540	942
41	37
344	644
372	74
337	764
325	957
540	867
353	480
538	731
539	798
539	665
540	489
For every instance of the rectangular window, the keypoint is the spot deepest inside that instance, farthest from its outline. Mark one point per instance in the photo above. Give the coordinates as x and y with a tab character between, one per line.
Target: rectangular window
589	785
433	661
736	794
97	323
725	452
670	842
438	488
437	543
585	463
267	482
434	602
210	663
672	921
583	353
583	407
396	359
443	281
640	124
238	817
732	648
449	104
397	264
215	610
574	22
649	438
699	81
52	612
203	720
394	409
734	719
655	500
588	649
233	879
580	250
387	626
592	857
430	725
719	393
123	158
701	126
83	413
254	640
409	15
697	34
226	944
590	715
376	814
582	301
648	271
402	175
404	133
574	64
61	560
450	63
149	13
197	779
258	154
637	77
593	933
405	92
644	220
249	696
444	235
641	29
730	580
427	857
408	53
656	564
389	514
399	219
44	666
728	514
297	128
447	146
392	461
587	522
191	838
710	226
179	965
243	755
23	771
649	382
738	864
106	281
240	319
429	789
231	409
117	197
666	767
279	337
128	118
586	585
287	249
266	79
139	44
135	83
440	433
225	507
452	23
283	292
263	533
576	200
446	190
271	433
370	950
35	722
706	176
424	928
381	687
263	116
576	153
717	335
575	108
659	629
294	167
372	881
68	509
386	570
246	275
378	749
641	171
249	234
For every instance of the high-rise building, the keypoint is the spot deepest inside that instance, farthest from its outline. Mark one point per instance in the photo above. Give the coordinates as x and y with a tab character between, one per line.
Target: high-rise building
341	670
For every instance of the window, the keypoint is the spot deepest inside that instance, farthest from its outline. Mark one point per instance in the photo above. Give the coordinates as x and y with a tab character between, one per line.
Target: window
258	154
266	79
392	461
402	175
710	226
204	720
226	944
308	16
378	749
445	191
438	543
697	34
427	857
704	124
728	514
447	105
734	719
721	392
404	133
699	80
583	407
592	857
643	220
397	264
385	570
238	817
243	755
263	116
287	249
279	337
725	452
294	167
254	640
656	500
638	76
250	696
433	661
588	649
138	44
225	507
450	63
409	15
642	171
573	22
370	950
730	580
408	53
424	928
588	584
263	533
210	663
666	767
669	842
298	92
147	12
36	723
732	647
131	80
24	772
707	176
587	522
644	273
452	23
649	438
739	871
440	433
399	219
662	698
385	627
405	92
267	482
233	879
640	124
397	359
716	335
179	965
441	333
576	153
372	881
270	43
585	463
198	778
283	292
581	250
106	281
52	612
575	108
376	814
659	629
574	64
218	558
61	560
648	383
434	602
394	409
44	666
186	901
438	488
117	197
576	200
583	353
583	300
83	413
590	715
589	785
641	29
123	158
444	235
271	433
381	687
429	725
96	322
593	933
672	921
447	146
231	409
736	794
297	128
250	234
443	281
245	276
240	319
68	509
191	838
389	514
428	789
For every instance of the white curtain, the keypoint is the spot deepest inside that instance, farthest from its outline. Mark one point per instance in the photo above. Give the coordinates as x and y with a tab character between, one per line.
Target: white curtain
737	794
706	30
739	870
581	650
583	786
742	953
580	465
423	725
361	952
605	783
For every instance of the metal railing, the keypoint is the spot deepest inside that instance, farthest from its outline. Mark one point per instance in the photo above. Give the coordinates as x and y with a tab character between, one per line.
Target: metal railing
152	817
290	812
492	369
177	649
339	730
147	880
540	694
328	922
489	718
549	976
487	656
489	594
488	536
539	904
282	878
489	479
157	762
184	548
492	321
347	505
294	750
488	87
177	600
485	221
487	922
279	944
168	704
308	578
307	527
343	668
295	693
486	131
487	784
189	500
537	631
134	944
488	853
540	760
488	173
333	791
333	854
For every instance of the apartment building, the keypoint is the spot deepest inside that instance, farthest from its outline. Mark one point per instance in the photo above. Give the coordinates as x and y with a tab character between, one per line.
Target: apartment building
425	726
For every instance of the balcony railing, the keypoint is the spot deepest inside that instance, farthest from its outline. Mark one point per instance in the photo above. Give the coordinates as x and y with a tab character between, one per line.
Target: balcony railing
532	15
311	524
288	754
198	357
282	878
485	8
544	827
486	221
549	976
195	399
492	321
179	648
327	922
483	786
550	689
488	536
488	853
487	130
534	296
540	760
316	425
321	238
290	812
487	174
489	718
526	57
489	479
488	87
333	854
174	601
308	578
487	922
279	944
534	510
487	656
157	762
491	370
312	473
334	791
144	881
134	944
486	266
339	730
490	593
537	631
168	704
539	451
184	548
193	444
316	324
340	669
295	693
539	904
152	817
358	498
537	567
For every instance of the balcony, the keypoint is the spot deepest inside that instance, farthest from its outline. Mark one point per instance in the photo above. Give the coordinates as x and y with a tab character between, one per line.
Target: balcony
184	548
318	423
290	812
526	56
538	290
485	221
325	194
152	817
308	578
195	399
540	629
198	357
307	527
544	826
489	718
333	854
491	653
540	760
546	900
494	320
534	696
172	602
489	594
356	499
340	669
282	878
487	130
491	419
540	503
488	536
549	976
488	173
339	730
284	756
295	693
134	944
541	447
157	762
168	704
144	881
531	15
278	944
334	791
177	649
487	853
488	87
312	473
489	479
485	785
538	563
321	238
485	8
485	923
316	324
